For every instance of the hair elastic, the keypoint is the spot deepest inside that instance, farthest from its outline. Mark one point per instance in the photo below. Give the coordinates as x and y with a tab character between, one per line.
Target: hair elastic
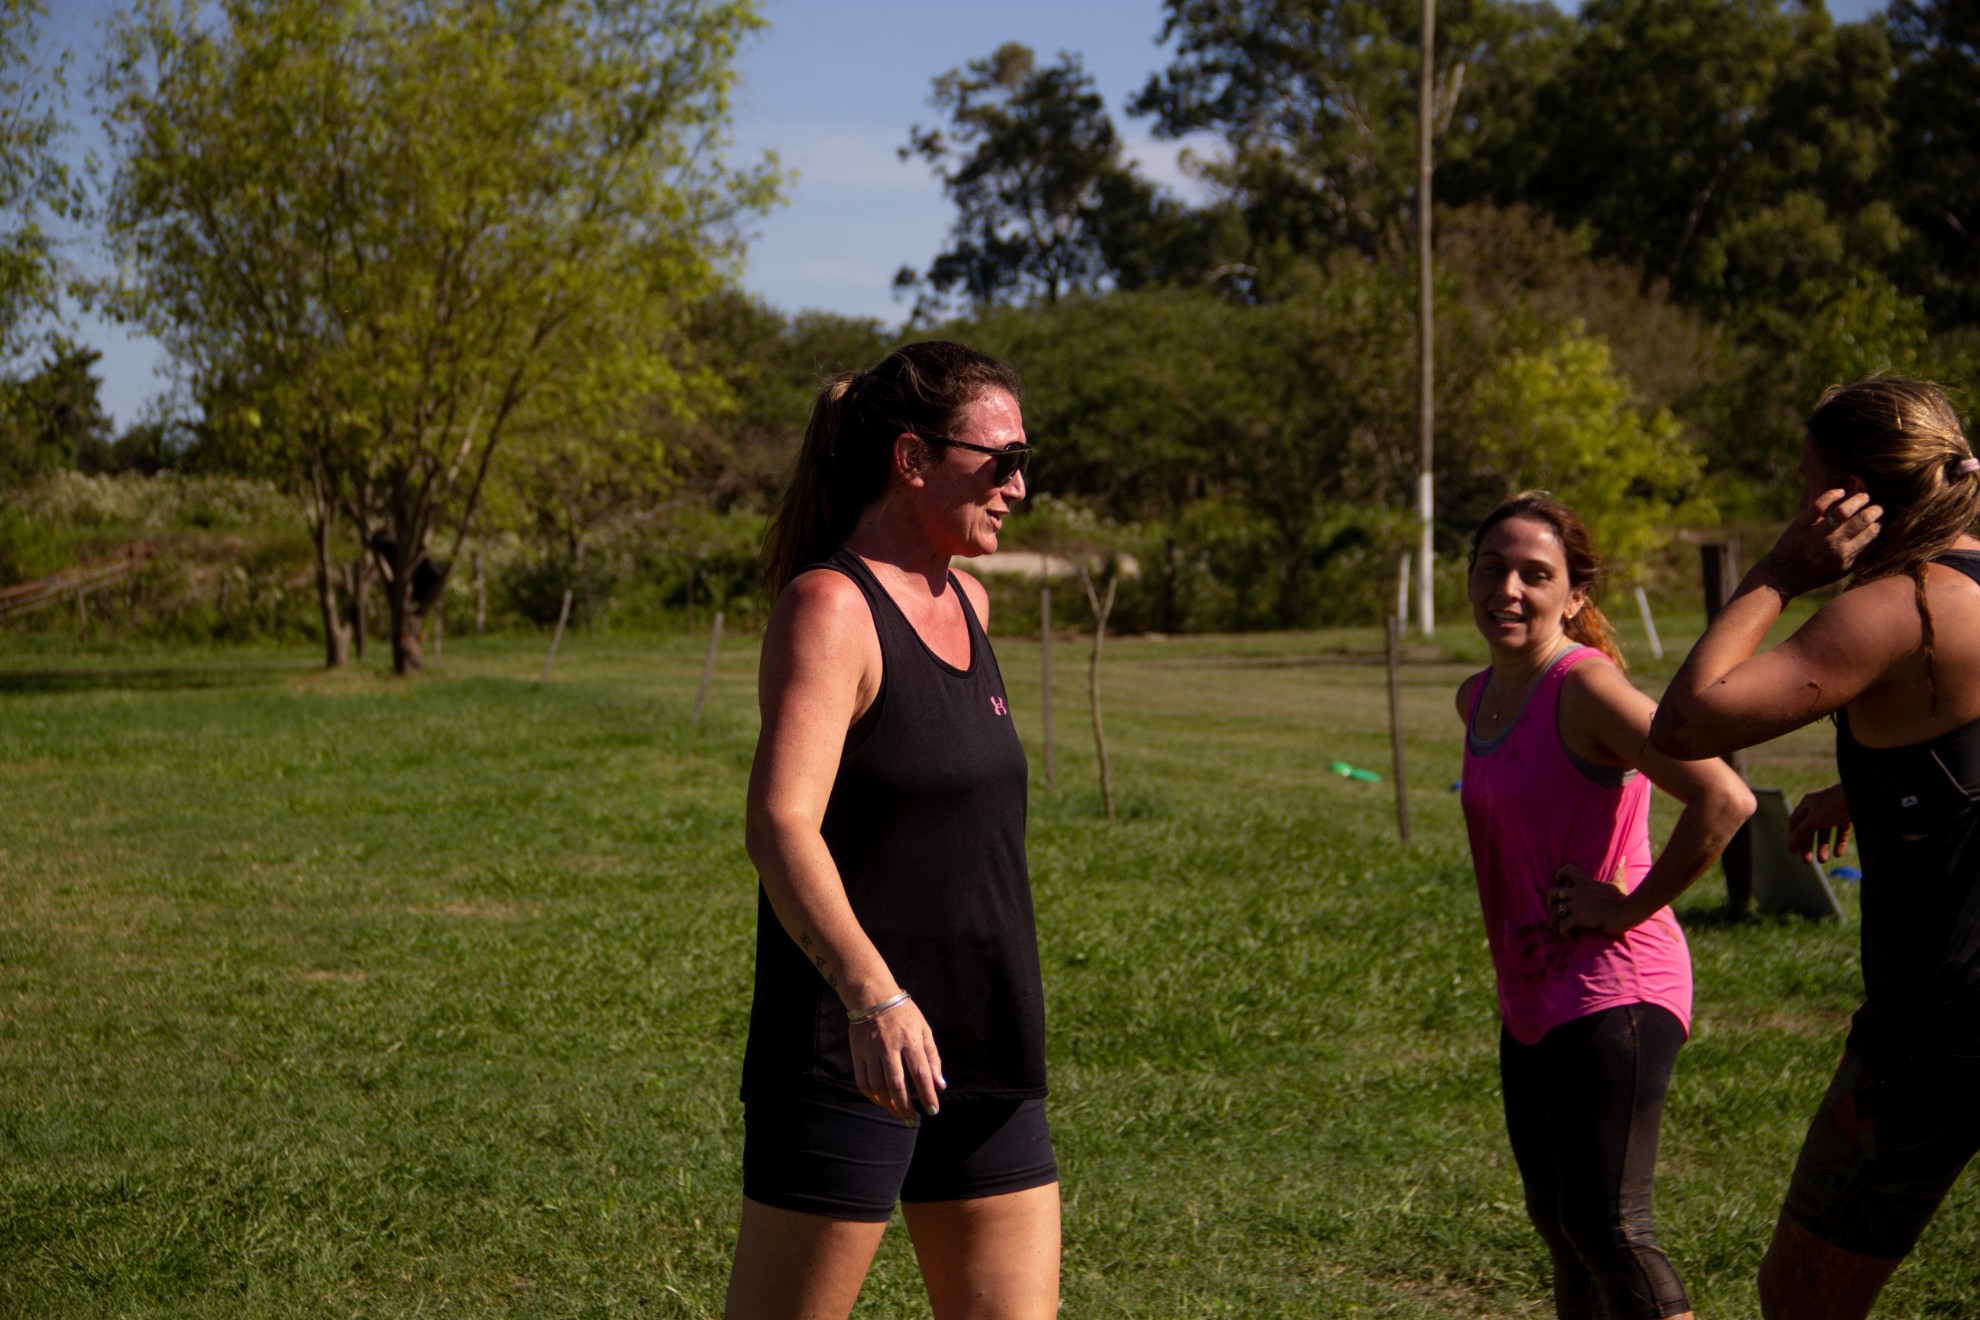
1967	466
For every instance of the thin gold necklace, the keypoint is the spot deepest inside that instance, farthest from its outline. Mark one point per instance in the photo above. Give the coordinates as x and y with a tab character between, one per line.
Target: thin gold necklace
1526	685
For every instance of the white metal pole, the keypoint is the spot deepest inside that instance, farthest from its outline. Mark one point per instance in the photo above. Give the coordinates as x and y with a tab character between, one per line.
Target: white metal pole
1649	624
1426	408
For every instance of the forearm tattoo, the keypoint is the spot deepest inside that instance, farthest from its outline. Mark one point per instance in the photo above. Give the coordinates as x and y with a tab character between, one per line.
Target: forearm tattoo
818	960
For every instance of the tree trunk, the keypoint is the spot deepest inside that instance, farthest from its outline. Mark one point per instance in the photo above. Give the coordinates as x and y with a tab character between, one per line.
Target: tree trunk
336	636
360	579
1170	609
406	622
1292	583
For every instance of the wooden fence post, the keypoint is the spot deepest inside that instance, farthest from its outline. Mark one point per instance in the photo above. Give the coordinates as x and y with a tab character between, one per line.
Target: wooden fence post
563	617
1045	667
1719	563
708	666
1395	726
1102	607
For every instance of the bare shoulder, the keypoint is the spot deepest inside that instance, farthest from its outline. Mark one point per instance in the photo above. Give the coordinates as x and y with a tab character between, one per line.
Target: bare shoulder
1604	718
1870	626
1600	681
822	598
1464	691
978	594
1892	596
821	617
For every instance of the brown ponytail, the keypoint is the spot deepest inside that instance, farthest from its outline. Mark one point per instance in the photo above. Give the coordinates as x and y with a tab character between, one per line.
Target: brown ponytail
1589	625
846	459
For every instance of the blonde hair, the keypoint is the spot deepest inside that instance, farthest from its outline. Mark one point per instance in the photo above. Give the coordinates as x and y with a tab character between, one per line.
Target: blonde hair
1903	440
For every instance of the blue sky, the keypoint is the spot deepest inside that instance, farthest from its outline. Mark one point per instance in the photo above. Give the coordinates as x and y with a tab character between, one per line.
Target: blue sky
832	86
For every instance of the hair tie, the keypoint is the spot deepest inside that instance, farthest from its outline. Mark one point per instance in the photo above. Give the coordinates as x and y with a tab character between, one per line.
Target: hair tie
1967	466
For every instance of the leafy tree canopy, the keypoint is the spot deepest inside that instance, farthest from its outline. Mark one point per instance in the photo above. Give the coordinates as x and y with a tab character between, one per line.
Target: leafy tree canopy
52	416
1935	168
385	236
1046	202
1316	102
34	181
1561	418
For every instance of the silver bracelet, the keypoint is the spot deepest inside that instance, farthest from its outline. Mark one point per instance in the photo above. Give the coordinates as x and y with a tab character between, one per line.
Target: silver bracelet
866	1015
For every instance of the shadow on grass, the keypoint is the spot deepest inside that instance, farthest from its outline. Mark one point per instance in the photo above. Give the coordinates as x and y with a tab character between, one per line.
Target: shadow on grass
1725	916
47	681
1085	805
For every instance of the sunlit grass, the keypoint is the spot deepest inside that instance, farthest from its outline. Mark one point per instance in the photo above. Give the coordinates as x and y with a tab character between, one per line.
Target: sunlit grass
338	995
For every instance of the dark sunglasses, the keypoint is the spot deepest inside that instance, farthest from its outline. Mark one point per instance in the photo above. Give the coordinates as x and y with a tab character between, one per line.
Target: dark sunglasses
1012	460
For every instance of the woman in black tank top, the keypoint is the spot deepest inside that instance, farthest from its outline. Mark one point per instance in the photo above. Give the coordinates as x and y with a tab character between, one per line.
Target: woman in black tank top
1891	495
897	1036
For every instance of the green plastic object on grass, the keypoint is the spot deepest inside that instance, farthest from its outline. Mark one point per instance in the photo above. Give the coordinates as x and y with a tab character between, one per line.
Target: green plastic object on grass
1347	771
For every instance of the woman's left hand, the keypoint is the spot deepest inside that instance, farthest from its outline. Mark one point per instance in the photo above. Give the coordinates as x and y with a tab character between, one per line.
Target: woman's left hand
1579	902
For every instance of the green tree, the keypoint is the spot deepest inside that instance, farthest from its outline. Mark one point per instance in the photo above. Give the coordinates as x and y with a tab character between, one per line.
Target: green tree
594	467
1519	280
1047	203
1935	178
388	237
52	417
1136	392
1561	418
1184	410
1316	100
1736	155
34	181
739	453
670	486
1671	124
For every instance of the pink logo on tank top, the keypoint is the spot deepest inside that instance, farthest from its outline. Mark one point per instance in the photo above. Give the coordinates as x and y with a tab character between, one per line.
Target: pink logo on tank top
997	704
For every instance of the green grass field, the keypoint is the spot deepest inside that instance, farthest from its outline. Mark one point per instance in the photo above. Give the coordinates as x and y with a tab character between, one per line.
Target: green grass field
338	995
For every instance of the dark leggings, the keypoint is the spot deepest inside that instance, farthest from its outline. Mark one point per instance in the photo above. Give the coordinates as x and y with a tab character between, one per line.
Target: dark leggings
1582	1108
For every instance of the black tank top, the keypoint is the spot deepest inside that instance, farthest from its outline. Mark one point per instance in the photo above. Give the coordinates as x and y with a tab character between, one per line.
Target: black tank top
926	825
1917	817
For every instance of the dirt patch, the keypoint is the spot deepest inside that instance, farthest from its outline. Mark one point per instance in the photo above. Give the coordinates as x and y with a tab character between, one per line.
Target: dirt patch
476	910
334	975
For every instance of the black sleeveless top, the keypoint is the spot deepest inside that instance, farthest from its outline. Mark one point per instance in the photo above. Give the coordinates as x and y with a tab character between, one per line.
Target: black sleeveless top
1916	810
926	825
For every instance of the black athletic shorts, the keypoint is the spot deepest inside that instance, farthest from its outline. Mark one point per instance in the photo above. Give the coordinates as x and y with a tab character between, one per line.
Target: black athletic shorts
1886	1146
834	1153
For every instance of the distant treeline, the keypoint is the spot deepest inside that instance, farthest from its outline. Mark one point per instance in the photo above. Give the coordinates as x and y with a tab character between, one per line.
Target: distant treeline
1662	228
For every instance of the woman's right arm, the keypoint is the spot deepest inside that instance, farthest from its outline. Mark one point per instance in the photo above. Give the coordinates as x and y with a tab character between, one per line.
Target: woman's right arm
1728	694
820	667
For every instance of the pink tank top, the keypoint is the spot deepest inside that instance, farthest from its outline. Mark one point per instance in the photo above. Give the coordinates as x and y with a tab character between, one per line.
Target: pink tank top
1531	807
